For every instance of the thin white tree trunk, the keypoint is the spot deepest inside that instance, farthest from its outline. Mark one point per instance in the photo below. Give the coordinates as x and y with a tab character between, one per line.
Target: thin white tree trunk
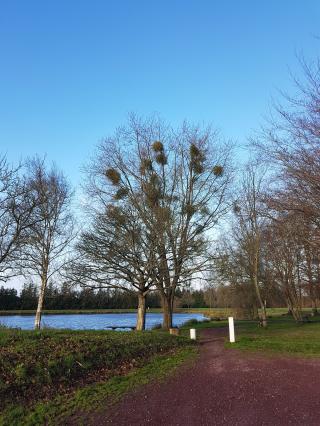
37	322
256	285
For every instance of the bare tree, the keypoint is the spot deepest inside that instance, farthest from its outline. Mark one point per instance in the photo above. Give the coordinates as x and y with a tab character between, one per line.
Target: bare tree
176	182
291	140
302	236
233	274
250	224
308	256
113	253
52	229
17	204
281	256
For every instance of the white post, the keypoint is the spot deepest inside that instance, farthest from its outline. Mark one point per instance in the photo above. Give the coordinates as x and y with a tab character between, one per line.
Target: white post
231	330
193	334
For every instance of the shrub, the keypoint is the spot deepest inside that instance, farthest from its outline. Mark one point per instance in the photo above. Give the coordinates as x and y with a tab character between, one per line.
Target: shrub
191	322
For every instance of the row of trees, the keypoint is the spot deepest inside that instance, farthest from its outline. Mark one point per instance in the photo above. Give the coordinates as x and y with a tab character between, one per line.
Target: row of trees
273	244
154	193
155	198
66	296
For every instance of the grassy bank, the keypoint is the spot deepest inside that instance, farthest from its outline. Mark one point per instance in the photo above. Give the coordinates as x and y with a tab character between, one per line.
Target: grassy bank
37	366
87	399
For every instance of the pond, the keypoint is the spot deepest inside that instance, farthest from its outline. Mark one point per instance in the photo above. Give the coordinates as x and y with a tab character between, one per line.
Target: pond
93	321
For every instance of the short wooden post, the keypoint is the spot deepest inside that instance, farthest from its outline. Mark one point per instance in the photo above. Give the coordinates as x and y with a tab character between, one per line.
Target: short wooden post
193	334
174	331
231	330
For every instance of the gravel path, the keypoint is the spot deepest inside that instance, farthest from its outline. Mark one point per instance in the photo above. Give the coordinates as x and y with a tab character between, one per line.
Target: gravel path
226	387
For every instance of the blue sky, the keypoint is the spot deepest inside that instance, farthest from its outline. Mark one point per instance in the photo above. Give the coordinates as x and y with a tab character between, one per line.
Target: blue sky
70	71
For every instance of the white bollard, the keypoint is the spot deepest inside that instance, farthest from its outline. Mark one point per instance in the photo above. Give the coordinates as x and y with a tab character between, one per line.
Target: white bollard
193	334
231	330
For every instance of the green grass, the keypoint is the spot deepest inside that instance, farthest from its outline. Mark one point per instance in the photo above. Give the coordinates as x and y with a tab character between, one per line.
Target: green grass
282	336
90	398
36	365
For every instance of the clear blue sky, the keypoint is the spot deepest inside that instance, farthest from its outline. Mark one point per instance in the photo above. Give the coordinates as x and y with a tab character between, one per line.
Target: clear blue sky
71	70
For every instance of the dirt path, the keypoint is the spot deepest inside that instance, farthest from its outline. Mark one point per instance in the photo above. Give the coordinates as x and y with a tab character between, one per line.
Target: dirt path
226	387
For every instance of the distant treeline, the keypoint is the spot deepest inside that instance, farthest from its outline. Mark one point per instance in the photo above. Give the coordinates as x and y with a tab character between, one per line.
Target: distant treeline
66	297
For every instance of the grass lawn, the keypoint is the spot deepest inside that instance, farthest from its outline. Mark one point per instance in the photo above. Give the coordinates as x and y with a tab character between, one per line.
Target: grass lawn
50	374
283	335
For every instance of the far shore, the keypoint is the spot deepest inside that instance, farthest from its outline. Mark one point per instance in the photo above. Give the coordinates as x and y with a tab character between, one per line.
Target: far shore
207	312
97	311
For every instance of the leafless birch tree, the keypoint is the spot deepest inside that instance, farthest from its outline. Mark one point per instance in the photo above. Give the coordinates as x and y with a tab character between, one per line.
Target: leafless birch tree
52	229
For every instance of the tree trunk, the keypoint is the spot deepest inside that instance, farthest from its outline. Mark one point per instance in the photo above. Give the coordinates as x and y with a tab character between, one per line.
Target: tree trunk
264	317
37	322
141	314
311	287
167	303
261	303
263	308
294	309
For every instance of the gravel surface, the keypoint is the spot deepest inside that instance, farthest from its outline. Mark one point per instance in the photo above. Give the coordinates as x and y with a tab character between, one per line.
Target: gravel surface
226	387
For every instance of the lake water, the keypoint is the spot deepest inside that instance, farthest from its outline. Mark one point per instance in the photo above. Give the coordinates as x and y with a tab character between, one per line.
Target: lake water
92	321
